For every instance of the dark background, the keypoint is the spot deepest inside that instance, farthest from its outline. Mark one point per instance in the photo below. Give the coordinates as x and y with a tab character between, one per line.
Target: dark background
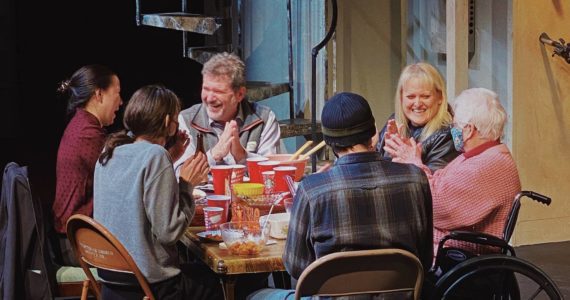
44	42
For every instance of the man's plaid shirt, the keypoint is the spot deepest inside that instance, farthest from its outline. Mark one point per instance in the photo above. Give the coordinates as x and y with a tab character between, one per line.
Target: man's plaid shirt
362	202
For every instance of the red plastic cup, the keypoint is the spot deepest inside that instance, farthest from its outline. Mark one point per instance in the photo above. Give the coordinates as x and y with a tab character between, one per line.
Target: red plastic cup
280	172
213	217
268	182
253	169
267	165
222	201
222	176
238	171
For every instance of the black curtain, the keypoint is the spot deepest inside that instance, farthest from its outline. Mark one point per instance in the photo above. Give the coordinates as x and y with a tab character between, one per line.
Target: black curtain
44	42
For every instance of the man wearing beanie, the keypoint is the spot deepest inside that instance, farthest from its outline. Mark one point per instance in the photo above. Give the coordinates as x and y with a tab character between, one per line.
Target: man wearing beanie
363	202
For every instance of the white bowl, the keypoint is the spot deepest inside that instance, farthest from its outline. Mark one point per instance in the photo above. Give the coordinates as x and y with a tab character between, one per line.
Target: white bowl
278	224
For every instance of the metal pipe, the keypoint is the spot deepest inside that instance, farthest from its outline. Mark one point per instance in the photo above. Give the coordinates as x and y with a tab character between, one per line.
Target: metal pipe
314	53
138	13
290	57
184	33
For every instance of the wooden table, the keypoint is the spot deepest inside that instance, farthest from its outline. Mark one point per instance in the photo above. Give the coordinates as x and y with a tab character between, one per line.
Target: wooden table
229	266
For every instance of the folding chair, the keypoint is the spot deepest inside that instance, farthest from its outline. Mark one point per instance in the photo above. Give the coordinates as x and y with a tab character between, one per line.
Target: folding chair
95	246
362	272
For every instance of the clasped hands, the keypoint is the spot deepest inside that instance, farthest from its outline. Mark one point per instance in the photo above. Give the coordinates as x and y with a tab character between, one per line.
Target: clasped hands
402	150
229	143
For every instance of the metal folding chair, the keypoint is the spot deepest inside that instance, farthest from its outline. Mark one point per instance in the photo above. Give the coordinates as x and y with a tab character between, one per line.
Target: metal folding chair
362	272
95	246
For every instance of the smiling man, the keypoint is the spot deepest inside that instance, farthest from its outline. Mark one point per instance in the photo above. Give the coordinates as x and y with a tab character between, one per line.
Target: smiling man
233	128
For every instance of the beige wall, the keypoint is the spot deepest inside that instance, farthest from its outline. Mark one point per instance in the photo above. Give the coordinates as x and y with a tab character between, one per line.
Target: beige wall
368	53
541	119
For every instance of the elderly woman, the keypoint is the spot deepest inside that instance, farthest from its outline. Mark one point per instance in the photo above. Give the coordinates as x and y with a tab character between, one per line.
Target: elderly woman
421	112
475	191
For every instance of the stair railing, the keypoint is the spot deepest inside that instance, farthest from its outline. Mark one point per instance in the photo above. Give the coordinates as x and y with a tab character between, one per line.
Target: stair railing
314	53
290	58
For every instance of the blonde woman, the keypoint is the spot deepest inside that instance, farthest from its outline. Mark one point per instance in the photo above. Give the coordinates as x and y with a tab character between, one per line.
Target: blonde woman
422	113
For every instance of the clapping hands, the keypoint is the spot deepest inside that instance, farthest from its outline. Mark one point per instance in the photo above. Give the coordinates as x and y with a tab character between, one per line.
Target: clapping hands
195	169
393	129
403	150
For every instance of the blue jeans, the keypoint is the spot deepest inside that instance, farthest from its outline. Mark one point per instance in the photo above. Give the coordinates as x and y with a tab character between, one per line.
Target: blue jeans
273	294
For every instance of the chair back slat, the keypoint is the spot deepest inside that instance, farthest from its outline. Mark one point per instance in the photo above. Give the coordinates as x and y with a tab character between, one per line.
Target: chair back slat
362	272
95	246
99	252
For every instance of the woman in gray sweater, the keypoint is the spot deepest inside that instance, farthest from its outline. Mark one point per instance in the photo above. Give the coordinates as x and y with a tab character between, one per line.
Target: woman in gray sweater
139	200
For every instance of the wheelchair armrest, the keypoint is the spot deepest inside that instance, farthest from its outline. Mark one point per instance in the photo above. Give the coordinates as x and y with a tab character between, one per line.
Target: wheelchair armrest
475	238
478	238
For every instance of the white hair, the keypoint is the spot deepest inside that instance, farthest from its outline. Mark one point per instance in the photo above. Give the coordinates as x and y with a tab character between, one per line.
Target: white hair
482	108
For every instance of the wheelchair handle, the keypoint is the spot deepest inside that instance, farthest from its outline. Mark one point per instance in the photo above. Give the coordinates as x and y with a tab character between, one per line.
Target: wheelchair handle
535	196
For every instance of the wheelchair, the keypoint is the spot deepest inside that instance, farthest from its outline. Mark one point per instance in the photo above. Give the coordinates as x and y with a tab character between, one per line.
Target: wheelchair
459	274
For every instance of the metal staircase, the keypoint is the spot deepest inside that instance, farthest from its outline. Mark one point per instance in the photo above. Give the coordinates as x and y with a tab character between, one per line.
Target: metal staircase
219	29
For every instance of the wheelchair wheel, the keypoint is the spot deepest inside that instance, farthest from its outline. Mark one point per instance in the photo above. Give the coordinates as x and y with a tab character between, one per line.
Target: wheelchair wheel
495	277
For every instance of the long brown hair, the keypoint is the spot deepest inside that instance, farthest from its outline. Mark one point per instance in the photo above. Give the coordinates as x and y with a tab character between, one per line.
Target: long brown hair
144	115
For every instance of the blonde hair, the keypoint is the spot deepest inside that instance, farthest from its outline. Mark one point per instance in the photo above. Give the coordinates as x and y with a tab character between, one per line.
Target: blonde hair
428	76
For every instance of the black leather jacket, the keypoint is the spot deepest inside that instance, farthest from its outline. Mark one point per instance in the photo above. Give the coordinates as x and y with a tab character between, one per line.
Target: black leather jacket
437	149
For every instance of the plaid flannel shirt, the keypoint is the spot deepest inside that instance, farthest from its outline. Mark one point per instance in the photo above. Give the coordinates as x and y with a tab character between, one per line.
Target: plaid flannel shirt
362	202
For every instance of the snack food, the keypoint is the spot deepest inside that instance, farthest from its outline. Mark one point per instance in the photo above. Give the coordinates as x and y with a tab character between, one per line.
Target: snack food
244	238
246	247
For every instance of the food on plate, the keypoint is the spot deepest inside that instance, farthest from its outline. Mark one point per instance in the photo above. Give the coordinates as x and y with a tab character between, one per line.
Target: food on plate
246	247
244	238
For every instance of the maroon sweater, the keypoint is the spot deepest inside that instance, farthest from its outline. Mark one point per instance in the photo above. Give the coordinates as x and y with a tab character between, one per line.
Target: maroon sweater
79	149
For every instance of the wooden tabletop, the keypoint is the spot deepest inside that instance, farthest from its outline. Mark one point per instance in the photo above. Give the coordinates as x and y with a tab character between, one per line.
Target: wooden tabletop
223	262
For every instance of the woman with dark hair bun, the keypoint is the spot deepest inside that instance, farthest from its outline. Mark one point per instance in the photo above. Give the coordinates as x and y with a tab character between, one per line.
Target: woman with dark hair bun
139	200
94	98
